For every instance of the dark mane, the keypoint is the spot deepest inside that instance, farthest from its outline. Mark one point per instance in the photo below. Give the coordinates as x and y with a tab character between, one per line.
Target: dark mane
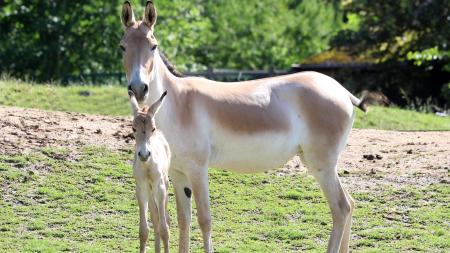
170	66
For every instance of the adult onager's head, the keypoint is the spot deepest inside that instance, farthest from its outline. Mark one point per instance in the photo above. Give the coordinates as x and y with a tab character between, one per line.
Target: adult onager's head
150	170
139	46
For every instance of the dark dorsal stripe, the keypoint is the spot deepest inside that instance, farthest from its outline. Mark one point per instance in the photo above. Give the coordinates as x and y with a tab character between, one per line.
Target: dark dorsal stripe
170	66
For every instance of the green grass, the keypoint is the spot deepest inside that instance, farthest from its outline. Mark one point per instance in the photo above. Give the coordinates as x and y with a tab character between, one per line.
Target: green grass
83	201
106	100
112	100
399	119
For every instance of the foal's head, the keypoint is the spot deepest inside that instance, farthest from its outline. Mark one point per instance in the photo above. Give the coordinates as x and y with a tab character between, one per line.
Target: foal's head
144	125
139	48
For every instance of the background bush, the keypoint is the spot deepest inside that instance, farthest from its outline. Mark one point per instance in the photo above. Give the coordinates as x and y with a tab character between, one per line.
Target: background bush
52	39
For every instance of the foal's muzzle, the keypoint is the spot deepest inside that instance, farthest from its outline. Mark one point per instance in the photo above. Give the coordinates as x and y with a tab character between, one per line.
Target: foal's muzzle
143	156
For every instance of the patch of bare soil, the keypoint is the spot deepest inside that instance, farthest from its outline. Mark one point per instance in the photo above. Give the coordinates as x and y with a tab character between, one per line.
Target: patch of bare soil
26	129
372	160
376	159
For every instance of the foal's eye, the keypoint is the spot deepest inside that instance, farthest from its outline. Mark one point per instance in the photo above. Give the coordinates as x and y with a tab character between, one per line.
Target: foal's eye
154	47
122	47
153	130
134	130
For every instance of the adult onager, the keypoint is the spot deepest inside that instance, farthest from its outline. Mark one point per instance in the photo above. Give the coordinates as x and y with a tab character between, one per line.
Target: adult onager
244	127
150	171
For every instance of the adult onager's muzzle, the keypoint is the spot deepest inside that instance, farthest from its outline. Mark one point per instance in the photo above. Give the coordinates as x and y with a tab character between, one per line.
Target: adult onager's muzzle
139	89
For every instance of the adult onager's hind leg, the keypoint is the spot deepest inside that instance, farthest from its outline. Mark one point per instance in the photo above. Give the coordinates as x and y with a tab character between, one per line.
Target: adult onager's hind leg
341	209
323	168
348	226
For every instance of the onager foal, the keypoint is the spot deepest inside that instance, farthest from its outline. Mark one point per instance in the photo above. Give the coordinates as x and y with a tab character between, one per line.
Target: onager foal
150	170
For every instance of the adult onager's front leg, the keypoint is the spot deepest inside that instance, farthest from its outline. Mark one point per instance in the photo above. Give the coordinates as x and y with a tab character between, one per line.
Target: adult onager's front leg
183	194
201	194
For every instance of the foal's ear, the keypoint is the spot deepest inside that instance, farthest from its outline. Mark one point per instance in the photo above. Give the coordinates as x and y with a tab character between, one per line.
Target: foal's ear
127	14
155	106
134	103
150	14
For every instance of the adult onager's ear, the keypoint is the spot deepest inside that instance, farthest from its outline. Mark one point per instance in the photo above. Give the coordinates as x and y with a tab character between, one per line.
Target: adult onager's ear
150	14
155	106
127	14
134	103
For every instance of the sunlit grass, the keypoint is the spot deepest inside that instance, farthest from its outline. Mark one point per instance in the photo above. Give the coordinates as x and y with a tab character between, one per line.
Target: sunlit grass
112	100
83	201
399	119
106	100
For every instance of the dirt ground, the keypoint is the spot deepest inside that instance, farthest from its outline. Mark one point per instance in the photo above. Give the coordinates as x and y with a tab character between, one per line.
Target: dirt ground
371	160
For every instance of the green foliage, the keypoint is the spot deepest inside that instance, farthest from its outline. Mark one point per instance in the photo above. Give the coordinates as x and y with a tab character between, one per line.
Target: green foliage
184	31
264	34
412	32
398	29
445	92
430	54
48	40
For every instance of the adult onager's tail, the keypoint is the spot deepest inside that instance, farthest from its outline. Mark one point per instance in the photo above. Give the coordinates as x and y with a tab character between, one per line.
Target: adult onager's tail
361	104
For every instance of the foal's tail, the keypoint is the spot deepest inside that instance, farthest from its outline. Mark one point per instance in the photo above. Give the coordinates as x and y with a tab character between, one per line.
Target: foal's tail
361	104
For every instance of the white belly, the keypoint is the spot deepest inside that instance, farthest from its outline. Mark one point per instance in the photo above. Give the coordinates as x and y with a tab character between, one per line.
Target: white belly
247	153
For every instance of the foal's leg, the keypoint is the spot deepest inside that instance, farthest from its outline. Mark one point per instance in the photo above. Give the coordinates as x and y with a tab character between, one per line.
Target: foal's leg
161	197
167	202
142	194
183	192
201	194
155	222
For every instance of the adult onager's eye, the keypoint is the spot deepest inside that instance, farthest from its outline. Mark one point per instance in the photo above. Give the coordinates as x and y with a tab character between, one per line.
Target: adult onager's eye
134	130
154	47
122	47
